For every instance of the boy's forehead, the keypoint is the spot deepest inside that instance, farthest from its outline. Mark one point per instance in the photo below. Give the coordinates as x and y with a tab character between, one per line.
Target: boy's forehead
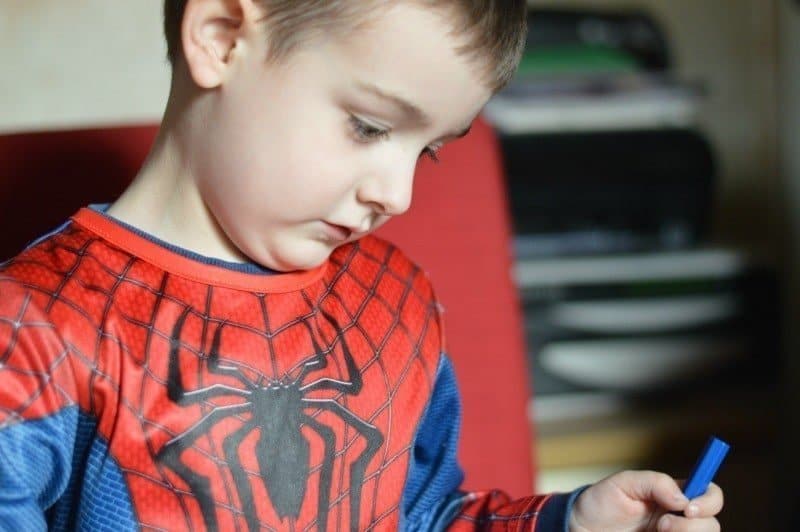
408	55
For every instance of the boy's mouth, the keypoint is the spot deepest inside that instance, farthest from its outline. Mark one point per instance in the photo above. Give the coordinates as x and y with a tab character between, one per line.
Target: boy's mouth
337	232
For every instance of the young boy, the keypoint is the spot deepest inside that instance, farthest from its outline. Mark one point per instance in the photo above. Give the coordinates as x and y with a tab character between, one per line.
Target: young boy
225	347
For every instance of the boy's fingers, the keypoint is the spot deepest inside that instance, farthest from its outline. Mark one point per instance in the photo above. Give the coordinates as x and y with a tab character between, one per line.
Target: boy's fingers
675	523
654	486
708	504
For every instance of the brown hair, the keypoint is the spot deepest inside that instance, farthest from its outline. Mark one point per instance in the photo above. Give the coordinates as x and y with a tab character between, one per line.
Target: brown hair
495	30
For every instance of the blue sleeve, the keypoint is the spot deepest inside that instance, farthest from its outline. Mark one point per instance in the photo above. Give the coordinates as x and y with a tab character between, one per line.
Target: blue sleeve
35	468
38	415
432	499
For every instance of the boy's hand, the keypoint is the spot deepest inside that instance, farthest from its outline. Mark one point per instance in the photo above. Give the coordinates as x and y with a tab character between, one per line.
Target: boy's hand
640	501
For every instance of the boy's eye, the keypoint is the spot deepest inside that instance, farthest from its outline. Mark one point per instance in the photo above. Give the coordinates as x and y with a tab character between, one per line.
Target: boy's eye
365	132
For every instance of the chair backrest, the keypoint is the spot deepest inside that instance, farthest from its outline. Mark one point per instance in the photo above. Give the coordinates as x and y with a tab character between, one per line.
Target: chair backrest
47	176
458	229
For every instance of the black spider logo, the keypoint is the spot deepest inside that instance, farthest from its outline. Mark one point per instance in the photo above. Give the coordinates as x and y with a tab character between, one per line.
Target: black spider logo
277	409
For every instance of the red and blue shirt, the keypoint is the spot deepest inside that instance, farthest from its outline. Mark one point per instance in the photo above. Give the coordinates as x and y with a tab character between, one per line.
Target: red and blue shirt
145	388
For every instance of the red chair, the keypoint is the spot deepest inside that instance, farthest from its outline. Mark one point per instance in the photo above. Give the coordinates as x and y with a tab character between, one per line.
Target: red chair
458	229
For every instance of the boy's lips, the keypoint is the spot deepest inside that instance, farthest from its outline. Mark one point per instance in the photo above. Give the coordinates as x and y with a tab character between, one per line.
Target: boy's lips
338	232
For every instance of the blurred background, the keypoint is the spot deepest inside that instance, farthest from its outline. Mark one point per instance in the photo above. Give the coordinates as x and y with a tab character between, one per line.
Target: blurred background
652	164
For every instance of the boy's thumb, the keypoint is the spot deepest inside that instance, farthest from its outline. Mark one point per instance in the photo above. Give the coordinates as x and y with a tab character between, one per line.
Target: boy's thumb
656	487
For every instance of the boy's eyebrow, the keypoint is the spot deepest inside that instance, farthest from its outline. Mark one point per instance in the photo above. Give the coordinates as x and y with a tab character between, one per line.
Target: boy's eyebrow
409	109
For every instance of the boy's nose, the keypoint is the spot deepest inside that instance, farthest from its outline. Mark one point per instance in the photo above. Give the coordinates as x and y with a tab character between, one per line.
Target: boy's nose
390	192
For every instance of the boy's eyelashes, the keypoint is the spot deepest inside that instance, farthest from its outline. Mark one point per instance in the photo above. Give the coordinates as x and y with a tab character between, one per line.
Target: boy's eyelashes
432	152
366	132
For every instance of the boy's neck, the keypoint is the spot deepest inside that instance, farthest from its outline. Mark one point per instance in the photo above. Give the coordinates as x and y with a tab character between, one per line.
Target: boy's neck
163	200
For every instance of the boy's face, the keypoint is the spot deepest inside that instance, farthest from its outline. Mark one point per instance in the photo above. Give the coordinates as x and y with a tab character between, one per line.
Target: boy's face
321	138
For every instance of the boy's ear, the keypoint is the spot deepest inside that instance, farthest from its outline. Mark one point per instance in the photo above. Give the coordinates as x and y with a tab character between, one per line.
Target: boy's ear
211	31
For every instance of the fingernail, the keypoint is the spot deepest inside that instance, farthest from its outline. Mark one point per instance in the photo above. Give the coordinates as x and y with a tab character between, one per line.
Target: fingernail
692	510
665	524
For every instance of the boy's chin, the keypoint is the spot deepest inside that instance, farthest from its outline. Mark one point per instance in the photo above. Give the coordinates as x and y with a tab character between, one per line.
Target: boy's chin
307	256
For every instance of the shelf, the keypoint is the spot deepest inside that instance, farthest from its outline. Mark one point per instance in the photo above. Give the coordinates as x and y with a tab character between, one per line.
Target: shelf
655	435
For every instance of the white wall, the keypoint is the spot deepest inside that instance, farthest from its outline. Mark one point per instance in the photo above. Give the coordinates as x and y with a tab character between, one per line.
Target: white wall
80	62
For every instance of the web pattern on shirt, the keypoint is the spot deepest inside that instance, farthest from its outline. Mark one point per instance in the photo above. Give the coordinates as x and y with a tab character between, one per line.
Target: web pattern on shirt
114	363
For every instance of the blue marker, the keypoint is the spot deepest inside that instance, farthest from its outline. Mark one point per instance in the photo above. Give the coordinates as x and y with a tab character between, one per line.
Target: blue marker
706	467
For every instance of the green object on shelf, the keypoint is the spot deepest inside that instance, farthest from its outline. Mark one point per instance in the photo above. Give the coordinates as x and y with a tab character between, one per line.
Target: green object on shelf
575	59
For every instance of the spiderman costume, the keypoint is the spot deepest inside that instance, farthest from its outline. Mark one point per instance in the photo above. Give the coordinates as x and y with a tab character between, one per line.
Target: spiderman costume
145	388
